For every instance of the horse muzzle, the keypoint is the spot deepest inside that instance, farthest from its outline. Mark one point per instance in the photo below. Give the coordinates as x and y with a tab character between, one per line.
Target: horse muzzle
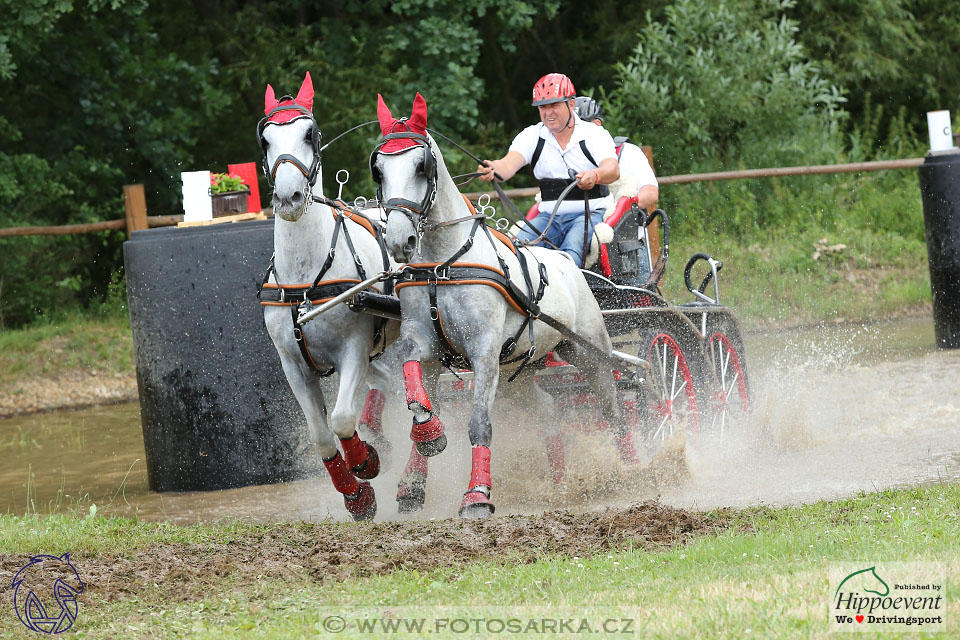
404	252
289	209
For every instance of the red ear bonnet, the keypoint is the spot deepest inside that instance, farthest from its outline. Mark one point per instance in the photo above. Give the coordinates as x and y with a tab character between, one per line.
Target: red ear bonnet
304	99
417	123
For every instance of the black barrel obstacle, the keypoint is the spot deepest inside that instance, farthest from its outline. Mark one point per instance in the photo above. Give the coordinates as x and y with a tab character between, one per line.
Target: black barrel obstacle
216	409
940	192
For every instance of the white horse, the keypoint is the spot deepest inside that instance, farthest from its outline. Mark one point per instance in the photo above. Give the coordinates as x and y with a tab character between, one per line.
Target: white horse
430	226
319	252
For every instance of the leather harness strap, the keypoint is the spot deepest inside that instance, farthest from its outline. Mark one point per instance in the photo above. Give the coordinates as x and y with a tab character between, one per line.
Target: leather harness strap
297	295
452	273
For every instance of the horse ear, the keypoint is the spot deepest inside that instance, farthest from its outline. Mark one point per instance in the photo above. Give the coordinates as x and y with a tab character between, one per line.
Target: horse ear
384	116
305	96
418	117
269	100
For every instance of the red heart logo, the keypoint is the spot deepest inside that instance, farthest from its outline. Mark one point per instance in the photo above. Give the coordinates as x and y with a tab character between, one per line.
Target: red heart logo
859	618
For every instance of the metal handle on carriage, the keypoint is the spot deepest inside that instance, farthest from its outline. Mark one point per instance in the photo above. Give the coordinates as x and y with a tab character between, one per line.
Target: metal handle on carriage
715	266
307	316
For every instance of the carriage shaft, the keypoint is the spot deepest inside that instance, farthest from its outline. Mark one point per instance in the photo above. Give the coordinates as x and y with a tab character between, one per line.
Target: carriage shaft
304	318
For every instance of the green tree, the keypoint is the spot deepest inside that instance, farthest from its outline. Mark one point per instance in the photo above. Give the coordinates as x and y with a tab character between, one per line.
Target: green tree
726	84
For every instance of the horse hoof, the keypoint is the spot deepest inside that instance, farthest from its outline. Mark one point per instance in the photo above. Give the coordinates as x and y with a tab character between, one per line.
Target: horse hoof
411	493
432	447
409	505
370	468
362	506
476	504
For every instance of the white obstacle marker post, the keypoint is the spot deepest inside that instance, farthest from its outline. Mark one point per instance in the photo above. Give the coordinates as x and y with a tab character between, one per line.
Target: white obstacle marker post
197	204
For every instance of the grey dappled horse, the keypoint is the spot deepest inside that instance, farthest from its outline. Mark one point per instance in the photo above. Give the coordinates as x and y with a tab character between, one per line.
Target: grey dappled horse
305	266
428	223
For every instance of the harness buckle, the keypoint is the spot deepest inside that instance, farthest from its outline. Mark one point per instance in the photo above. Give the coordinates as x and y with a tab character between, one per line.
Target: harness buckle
298	334
434	313
437	274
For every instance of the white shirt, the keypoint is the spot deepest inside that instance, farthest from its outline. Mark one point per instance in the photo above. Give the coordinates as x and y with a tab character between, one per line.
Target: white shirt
633	162
555	162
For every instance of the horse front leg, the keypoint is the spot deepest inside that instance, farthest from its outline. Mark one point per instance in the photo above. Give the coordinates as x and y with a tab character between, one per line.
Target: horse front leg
360	458
427	430
486	373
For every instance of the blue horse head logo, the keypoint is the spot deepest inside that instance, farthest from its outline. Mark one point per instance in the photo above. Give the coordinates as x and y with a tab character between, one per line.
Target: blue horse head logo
45	593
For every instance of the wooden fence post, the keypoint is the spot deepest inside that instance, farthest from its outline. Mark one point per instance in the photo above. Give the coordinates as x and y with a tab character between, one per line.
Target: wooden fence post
135	204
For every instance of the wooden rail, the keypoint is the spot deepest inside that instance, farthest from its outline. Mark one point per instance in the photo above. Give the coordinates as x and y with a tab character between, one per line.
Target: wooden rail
853	167
136	217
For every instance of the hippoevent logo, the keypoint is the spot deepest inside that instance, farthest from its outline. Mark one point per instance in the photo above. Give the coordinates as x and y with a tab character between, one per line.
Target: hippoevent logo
894	596
45	594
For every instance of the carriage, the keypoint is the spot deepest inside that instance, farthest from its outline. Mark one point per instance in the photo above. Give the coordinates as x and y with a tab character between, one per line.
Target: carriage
599	340
695	349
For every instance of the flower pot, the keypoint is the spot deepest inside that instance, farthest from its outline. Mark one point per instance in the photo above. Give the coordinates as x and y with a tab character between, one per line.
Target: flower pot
229	202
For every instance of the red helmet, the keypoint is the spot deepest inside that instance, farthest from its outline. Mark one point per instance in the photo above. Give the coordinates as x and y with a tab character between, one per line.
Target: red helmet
553	87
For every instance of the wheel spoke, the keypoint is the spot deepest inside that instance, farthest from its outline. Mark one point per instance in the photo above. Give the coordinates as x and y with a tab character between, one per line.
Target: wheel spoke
679	391
673	379
726	394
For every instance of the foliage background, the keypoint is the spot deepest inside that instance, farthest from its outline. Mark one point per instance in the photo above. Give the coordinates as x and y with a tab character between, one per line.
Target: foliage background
101	93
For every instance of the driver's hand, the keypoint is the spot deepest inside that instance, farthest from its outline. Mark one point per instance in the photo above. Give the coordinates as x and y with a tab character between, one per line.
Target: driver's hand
486	171
588	179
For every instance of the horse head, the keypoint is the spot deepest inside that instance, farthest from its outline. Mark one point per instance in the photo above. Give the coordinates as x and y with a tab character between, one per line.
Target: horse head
290	145
44	580
404	165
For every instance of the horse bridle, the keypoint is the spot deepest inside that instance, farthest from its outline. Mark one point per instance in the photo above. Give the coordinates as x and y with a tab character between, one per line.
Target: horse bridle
416	212
309	172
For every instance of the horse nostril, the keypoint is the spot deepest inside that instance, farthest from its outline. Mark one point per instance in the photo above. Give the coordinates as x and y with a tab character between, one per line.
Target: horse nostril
297	198
410	246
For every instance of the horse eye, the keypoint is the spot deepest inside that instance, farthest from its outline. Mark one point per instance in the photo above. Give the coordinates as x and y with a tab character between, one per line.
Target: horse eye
421	167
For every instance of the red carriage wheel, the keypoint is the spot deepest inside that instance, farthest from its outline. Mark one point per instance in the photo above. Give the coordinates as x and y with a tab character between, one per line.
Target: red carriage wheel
675	408
730	398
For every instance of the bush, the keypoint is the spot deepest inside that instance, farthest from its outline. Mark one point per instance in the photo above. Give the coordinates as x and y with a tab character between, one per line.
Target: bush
725	85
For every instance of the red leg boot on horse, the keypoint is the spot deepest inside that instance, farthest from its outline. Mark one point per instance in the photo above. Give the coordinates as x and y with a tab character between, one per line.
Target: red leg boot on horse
476	501
428	430
371	421
358	497
412	490
361	457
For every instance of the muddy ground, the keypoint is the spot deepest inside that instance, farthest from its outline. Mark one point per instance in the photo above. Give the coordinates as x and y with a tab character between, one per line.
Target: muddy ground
73	388
325	552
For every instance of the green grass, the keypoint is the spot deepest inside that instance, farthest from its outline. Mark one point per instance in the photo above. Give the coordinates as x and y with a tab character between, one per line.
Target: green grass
765	577
75	341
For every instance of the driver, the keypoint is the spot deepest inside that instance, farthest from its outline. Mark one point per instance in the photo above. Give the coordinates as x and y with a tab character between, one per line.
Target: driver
560	143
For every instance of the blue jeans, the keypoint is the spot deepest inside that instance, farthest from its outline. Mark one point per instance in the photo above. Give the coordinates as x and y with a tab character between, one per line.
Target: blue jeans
566	232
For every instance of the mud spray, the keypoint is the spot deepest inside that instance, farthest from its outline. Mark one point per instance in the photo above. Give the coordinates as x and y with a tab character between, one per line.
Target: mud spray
835	410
